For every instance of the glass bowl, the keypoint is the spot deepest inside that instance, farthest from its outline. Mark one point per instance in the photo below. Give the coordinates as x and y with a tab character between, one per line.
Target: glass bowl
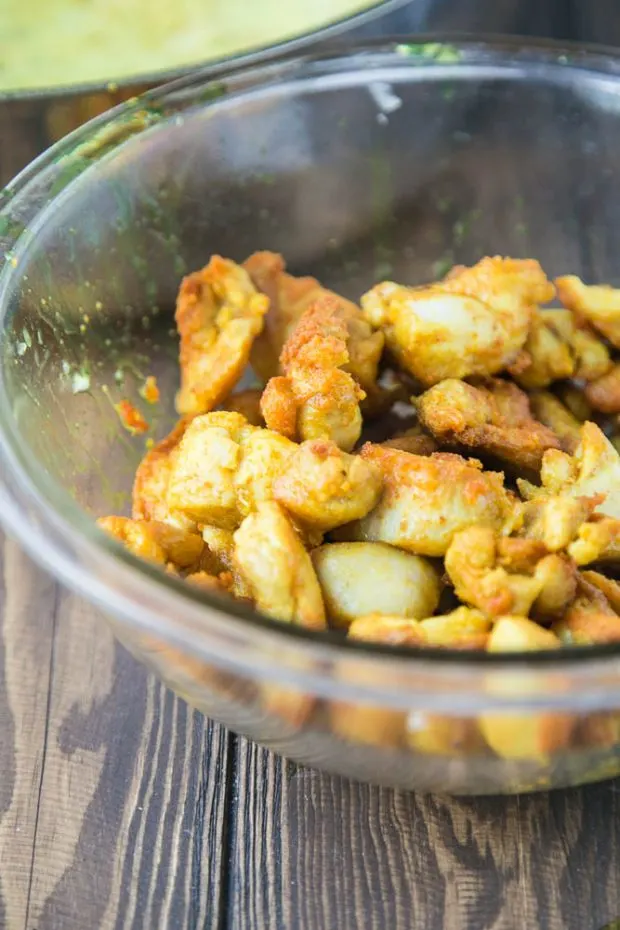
385	160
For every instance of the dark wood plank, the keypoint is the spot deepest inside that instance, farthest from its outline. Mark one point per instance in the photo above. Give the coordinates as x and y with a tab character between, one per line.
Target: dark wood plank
310	850
113	795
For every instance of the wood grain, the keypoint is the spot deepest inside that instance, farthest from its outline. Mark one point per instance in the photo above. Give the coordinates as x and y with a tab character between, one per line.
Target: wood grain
314	851
113	794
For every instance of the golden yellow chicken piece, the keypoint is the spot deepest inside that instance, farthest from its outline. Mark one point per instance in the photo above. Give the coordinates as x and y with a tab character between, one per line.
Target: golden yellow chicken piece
390	631
463	628
532	736
324	487
277	569
150	489
518	634
560	346
592	471
223	467
219	558
371	578
604	393
219	313
551	412
412	440
609	587
290	297
570	523
212	584
473	323
247	403
317	398
573	397
427	499
494	418
599	304
155	542
590	618
508	576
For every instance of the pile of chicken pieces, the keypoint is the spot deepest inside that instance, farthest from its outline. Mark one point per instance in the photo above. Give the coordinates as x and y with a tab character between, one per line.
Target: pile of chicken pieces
490	520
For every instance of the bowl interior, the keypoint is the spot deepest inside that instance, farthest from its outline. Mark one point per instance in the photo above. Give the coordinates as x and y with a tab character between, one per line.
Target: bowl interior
392	163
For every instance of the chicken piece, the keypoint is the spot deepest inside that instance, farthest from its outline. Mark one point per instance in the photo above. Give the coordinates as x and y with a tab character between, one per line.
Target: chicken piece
218	559
518	634
324	487
265	455
277	569
589	619
150	489
371	578
223	467
508	576
317	398
427	499
435	734
474	323
155	542
212	584
573	397
247	403
598	304
593	470
494	418
570	523
219	313
604	393
412	440
559	346
551	412
462	628
290	298
609	587
532	736
387	630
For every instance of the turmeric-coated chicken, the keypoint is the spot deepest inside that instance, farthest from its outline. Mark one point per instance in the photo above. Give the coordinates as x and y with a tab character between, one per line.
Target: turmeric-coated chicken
508	576
494	418
223	468
598	304
473	323
427	499
289	298
324	487
604	393
150	488
270	557
219	313
553	413
593	470
463	628
571	524
590	618
317	398
560	346
154	541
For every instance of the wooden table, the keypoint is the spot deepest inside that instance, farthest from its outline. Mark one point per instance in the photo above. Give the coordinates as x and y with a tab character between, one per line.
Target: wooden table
122	808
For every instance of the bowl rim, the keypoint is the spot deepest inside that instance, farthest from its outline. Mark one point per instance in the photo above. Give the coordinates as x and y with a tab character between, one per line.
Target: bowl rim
265	647
251	55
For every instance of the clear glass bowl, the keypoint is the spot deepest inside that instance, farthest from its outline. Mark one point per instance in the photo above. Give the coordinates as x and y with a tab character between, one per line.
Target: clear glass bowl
386	160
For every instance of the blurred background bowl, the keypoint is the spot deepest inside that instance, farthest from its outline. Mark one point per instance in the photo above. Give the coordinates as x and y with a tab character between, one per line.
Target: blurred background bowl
395	160
31	121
